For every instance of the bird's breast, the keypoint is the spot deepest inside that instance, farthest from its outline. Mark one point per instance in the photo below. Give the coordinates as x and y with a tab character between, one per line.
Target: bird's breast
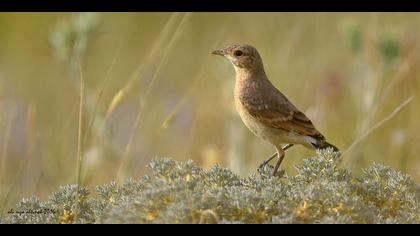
250	122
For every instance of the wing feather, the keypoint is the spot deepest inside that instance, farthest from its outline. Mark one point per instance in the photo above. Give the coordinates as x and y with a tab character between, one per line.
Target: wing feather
273	109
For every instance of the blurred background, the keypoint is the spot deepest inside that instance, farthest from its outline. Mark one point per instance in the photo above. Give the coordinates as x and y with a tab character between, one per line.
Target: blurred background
150	89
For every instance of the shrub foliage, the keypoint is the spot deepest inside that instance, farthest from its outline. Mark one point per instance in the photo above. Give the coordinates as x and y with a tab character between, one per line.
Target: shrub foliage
181	192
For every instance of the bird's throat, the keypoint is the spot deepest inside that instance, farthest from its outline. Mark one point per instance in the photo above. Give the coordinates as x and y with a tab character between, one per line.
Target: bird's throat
243	75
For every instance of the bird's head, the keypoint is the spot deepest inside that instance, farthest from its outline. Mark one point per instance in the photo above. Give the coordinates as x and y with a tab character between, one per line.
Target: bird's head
243	57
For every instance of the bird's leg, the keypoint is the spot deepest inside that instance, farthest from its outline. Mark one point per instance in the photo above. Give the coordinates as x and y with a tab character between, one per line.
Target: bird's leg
281	156
287	146
267	160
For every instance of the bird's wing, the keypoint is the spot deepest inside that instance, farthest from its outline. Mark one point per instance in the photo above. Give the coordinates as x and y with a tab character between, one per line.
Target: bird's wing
274	110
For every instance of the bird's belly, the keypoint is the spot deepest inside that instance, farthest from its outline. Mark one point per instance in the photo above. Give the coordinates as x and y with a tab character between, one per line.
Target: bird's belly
254	125
269	134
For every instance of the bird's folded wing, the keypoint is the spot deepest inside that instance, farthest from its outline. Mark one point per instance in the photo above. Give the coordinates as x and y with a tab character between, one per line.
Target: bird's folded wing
277	112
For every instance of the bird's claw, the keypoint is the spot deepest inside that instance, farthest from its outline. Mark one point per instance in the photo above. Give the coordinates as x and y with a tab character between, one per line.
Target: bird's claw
267	170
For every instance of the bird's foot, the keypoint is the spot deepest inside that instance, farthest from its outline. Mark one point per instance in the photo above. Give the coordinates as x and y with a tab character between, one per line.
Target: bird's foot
267	160
274	170
267	171
263	166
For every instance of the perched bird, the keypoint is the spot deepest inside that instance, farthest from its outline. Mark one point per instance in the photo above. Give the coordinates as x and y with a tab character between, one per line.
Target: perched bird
264	109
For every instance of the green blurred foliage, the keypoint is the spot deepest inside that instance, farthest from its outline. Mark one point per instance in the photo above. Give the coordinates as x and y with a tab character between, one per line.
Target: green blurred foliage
389	48
355	38
150	79
181	192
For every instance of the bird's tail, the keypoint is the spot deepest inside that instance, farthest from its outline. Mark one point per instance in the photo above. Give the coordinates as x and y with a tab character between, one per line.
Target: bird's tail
322	144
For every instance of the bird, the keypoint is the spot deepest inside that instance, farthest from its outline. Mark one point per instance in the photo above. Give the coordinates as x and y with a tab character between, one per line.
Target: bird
265	110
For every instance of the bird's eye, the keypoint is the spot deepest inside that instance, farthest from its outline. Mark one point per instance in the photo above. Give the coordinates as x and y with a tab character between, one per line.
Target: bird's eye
238	53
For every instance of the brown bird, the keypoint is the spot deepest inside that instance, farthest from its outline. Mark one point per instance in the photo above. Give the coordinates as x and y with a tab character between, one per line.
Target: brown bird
264	109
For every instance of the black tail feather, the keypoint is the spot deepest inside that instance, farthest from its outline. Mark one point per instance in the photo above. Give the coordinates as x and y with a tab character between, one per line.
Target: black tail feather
322	144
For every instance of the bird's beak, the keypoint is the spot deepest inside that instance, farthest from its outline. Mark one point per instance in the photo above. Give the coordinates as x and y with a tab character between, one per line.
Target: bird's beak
220	52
